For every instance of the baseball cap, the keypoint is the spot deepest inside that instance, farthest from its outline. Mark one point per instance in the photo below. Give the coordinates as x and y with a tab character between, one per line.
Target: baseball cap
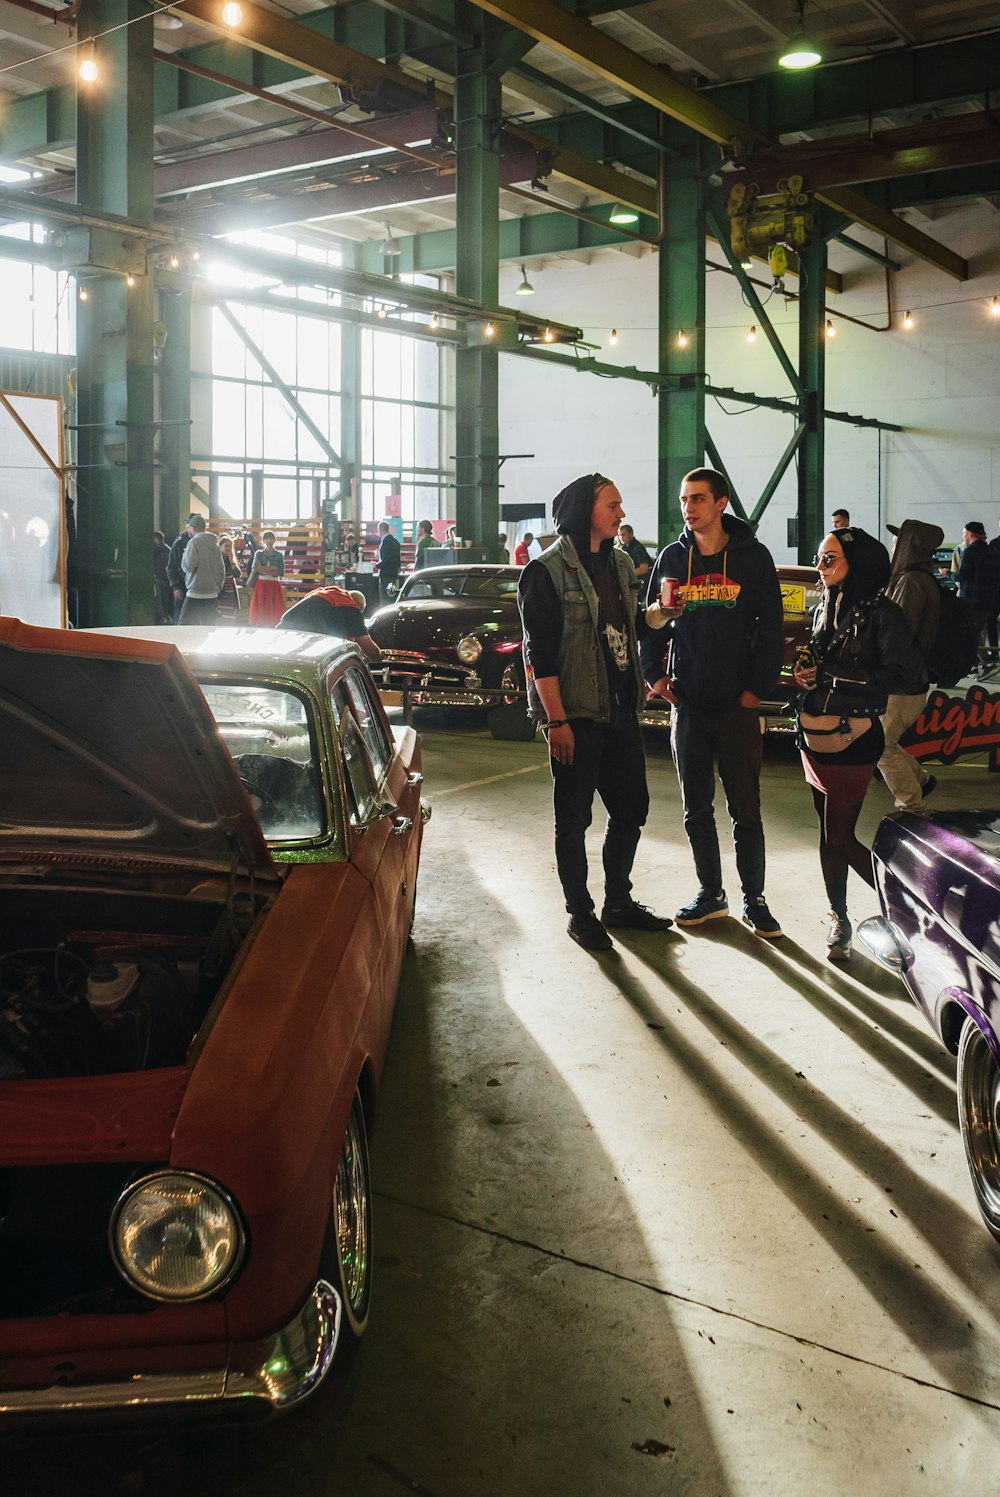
976	527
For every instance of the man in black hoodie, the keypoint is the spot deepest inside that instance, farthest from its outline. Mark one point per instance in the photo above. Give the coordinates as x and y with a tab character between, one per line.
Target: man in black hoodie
723	654
578	608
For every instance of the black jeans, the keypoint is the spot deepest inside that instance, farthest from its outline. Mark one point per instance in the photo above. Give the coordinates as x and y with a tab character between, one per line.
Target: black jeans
733	738
609	759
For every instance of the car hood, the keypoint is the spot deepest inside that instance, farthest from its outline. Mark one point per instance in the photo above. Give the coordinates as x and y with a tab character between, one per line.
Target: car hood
443	619
110	752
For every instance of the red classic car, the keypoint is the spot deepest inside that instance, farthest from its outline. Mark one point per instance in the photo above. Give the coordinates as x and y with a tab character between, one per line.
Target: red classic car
197	980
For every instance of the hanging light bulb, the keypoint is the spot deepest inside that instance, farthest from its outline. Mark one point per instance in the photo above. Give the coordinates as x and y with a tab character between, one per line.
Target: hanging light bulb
525	288
175	262
831	331
800	51
995	306
89	71
549	335
614	337
746	264
488	330
435	321
380	310
907	320
196	254
682	339
130	280
752	334
232	13
84	294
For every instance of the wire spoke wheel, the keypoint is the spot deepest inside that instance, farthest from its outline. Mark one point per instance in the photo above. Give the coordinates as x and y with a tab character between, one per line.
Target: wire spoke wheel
979	1115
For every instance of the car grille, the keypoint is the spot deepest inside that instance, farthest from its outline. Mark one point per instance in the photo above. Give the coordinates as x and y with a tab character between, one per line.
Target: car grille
54	1254
432	681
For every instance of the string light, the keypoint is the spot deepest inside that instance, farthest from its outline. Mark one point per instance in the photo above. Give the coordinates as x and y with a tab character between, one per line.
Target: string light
752	334
175	262
614	337
435	321
84	294
89	71
489	330
682	339
232	13
995	306
196	254
549	336
130	280
907	321
831	331
380	310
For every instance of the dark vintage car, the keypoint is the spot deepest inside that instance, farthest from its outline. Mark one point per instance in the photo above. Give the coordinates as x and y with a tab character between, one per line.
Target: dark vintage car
207	871
453	639
938	881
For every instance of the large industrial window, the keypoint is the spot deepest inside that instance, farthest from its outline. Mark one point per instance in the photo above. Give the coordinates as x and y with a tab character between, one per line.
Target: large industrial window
37	300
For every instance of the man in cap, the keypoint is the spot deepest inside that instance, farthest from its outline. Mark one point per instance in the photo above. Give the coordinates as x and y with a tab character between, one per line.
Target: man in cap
978	581
578	608
175	571
913	588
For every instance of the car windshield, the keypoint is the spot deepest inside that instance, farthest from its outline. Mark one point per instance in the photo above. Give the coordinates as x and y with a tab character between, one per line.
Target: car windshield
437	583
266	729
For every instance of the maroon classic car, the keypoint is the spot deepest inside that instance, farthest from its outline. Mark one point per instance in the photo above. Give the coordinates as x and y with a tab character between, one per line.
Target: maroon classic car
207	870
453	639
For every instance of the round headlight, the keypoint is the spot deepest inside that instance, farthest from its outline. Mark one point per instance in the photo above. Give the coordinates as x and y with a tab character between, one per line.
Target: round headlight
176	1236
469	649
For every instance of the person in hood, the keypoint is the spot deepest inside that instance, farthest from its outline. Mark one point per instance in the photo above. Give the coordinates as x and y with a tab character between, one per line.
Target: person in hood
720	655
912	586
204	574
862	651
578	610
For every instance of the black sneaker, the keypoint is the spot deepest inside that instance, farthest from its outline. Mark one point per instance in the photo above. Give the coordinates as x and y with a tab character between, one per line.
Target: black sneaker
703	907
587	931
633	916
760	920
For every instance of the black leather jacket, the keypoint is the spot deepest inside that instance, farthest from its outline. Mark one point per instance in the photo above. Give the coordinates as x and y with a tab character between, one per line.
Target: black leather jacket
871	655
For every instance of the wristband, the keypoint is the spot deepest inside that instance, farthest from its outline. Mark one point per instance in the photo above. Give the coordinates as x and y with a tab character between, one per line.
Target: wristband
555	722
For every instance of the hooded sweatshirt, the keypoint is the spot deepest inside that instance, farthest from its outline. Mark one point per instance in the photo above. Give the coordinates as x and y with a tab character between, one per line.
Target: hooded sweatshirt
551	584
204	565
913	587
730	637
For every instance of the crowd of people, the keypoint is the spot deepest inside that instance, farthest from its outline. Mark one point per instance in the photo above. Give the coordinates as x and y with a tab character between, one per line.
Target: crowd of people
711	642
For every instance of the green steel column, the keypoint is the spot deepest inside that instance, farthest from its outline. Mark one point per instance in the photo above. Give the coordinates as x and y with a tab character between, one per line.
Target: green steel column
350	414
812	372
681	410
114	326
174	382
477	189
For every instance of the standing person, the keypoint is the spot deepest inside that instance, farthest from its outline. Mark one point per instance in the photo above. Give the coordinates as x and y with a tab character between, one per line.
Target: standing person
578	607
635	550
913	588
229	598
267	599
977	584
425	539
204	574
862	650
840	520
521	557
503	554
992	623
163	596
388	563
725	650
175	568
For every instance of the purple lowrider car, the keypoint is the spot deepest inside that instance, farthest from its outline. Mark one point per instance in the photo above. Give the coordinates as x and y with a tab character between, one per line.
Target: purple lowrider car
453	639
939	884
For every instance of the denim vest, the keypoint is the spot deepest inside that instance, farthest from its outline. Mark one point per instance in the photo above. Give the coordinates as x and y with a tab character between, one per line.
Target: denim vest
583	678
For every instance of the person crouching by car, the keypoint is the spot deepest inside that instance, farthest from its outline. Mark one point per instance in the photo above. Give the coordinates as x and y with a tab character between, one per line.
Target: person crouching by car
861	651
332	610
578	608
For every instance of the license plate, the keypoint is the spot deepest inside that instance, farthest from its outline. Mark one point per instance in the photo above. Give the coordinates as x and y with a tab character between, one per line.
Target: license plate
793	597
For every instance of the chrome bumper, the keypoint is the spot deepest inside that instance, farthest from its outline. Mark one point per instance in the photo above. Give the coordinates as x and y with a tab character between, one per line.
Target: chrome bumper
291	1365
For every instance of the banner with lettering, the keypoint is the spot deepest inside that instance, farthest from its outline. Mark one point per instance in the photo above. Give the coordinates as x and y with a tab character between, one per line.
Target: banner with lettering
954	725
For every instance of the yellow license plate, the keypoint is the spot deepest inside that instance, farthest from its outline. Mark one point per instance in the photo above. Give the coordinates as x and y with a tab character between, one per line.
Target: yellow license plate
391	698
793	597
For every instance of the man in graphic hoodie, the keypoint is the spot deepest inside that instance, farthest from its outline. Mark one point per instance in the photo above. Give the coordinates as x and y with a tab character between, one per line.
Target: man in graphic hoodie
720	655
578	608
914	588
204	574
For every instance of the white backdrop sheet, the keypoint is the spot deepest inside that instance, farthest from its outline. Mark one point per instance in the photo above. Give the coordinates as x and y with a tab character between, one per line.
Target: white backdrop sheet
32	528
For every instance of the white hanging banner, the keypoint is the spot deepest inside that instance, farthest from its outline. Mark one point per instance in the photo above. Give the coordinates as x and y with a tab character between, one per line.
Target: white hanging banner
32	511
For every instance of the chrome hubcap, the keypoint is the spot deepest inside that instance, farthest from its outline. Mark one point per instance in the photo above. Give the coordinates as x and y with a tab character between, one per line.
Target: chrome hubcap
979	1097
351	1216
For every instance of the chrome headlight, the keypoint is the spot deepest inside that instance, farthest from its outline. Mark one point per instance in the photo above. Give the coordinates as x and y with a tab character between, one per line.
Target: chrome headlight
176	1236
469	649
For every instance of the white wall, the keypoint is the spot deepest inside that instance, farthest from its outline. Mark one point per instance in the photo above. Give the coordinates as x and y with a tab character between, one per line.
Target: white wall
940	381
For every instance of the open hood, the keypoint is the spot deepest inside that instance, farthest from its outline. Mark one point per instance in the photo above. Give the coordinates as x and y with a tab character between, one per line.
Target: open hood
108	750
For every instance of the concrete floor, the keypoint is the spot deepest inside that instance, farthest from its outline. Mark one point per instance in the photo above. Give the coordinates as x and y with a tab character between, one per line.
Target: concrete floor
691	1217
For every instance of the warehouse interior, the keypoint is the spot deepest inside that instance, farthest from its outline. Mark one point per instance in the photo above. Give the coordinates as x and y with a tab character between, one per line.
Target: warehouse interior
692	1217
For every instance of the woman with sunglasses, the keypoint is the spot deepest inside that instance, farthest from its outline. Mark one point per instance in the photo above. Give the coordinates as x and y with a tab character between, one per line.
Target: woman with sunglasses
861	650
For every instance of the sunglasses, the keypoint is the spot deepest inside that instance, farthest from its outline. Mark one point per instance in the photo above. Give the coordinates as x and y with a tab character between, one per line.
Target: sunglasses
826	559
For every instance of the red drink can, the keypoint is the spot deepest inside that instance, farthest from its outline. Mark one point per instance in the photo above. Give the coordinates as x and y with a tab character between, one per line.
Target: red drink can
669	592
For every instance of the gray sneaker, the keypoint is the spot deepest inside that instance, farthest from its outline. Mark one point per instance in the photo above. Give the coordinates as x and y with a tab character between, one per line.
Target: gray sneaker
838	938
